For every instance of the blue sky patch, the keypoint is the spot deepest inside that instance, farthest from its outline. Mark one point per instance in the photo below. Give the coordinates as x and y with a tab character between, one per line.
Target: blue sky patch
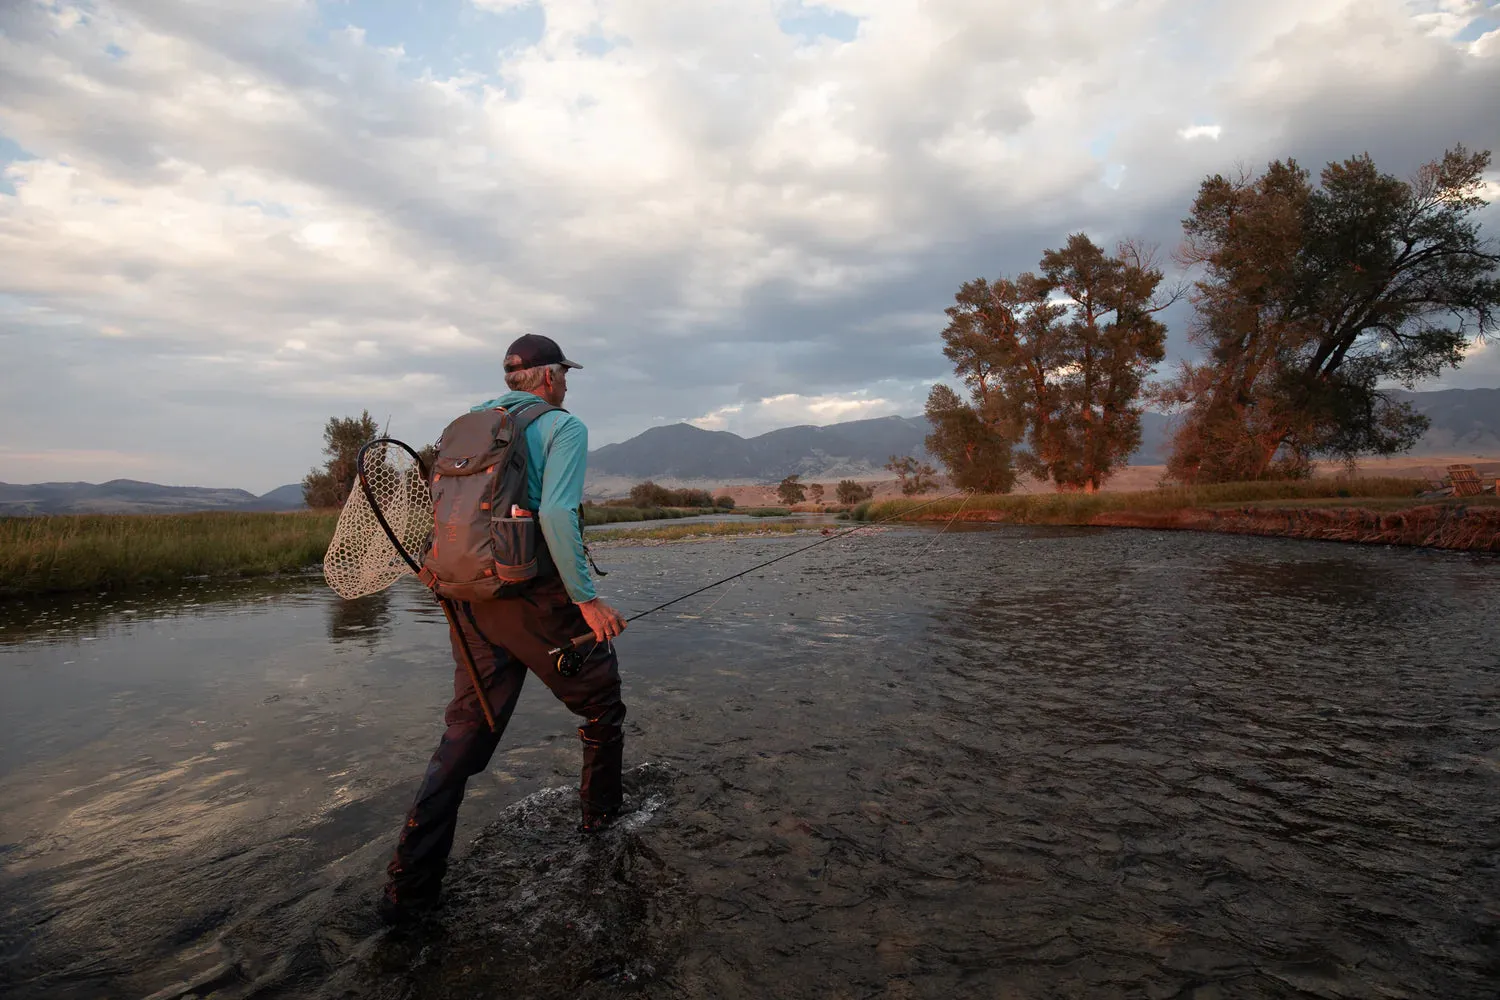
1481	25
813	22
10	152
446	37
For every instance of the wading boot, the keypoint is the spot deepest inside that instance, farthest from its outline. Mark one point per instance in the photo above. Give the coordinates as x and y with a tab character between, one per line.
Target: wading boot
596	822
599	793
397	907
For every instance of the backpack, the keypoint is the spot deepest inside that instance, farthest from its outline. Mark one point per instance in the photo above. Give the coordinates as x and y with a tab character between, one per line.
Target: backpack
484	543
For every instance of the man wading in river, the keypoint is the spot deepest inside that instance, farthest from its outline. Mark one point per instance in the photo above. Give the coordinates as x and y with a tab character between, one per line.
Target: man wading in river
509	635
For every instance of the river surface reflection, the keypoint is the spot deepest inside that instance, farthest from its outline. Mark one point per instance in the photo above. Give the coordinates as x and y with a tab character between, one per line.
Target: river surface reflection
993	762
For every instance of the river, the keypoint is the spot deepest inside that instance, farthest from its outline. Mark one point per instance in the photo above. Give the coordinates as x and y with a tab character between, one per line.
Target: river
1004	761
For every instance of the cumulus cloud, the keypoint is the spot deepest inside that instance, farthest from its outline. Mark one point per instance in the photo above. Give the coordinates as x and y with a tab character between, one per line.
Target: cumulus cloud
1200	132
790	408
224	223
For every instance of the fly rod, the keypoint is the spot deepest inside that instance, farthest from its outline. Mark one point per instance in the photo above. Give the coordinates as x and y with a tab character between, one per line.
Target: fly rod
568	660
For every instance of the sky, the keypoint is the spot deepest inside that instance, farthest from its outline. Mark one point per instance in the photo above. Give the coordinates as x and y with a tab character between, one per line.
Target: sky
223	222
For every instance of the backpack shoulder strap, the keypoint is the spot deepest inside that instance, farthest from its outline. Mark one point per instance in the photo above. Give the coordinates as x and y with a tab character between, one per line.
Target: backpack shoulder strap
525	414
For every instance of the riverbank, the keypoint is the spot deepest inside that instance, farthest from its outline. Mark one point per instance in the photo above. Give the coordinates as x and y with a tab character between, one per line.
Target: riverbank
69	552
1386	512
1456	525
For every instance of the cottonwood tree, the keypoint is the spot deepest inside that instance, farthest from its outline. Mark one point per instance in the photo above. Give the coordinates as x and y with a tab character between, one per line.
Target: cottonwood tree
1313	298
791	490
649	494
977	456
815	492
1110	341
1057	359
849	491
342	439
915	477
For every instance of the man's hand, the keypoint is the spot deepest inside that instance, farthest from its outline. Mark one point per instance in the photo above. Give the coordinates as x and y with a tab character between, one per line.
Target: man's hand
603	619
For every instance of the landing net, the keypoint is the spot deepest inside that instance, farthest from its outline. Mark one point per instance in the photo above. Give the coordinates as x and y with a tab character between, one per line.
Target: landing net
361	559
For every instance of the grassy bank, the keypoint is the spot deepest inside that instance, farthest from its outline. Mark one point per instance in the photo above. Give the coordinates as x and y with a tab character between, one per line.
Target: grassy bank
1077	508
764	511
40	555
107	552
675	532
599	514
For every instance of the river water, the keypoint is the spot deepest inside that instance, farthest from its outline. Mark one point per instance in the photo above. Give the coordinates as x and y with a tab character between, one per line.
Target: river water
998	762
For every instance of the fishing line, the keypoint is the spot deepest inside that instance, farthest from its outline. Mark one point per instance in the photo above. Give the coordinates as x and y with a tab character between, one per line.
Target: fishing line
928	547
569	656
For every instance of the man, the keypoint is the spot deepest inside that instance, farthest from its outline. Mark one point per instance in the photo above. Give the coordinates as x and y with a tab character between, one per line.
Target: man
508	636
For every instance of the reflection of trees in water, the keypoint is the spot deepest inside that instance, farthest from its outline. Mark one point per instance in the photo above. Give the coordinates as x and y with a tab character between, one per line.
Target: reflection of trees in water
363	618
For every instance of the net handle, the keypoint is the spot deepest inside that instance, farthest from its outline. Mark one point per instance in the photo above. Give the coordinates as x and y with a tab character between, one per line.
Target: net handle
364	485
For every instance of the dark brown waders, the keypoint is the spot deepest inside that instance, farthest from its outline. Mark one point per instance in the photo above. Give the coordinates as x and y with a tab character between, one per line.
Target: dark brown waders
507	637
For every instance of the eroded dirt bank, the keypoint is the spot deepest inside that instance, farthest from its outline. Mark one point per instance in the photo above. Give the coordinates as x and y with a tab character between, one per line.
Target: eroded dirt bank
1440	526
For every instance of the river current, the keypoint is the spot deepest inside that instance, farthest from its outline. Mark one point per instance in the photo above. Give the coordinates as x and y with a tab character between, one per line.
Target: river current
993	762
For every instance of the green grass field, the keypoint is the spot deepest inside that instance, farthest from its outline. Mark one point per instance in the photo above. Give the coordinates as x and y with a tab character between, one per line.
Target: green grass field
599	514
57	554
107	552
1077	508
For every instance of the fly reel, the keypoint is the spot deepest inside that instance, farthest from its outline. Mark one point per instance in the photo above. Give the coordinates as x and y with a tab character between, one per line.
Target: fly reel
568	661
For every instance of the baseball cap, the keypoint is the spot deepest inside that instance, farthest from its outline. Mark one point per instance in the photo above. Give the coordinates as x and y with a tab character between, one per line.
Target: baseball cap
533	350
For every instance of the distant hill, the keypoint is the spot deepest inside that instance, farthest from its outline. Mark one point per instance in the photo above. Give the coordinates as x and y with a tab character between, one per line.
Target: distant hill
129	496
1464	421
684	452
288	497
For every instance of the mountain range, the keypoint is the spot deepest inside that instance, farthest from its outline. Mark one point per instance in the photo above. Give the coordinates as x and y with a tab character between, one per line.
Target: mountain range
682	451
129	496
1464	421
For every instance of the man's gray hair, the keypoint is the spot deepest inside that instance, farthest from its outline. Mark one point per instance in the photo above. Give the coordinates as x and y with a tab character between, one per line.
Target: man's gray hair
528	379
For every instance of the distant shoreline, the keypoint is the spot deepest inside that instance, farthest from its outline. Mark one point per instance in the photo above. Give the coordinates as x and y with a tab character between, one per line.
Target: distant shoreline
1460	524
106	553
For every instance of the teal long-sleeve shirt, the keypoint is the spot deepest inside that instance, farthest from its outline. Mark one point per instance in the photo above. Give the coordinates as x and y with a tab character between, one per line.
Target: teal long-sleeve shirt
558	446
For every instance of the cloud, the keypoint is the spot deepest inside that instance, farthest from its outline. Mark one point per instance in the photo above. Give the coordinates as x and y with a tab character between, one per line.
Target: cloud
1201	132
789	409
711	205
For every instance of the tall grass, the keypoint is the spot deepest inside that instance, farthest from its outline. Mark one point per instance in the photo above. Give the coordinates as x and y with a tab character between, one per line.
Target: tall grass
74	552
1077	508
764	511
107	552
599	514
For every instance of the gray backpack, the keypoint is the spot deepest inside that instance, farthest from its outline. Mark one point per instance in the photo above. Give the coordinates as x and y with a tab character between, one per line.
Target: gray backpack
484	543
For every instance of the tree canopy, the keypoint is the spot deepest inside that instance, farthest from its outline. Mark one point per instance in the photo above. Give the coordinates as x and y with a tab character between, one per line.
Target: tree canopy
914	476
342	439
791	490
1313	298
1056	359
849	491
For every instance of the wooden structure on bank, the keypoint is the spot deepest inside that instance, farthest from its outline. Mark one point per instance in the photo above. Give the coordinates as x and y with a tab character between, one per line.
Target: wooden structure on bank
1466	482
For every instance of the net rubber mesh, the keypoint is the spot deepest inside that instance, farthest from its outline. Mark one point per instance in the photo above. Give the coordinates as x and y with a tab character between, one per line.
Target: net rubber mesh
361	559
